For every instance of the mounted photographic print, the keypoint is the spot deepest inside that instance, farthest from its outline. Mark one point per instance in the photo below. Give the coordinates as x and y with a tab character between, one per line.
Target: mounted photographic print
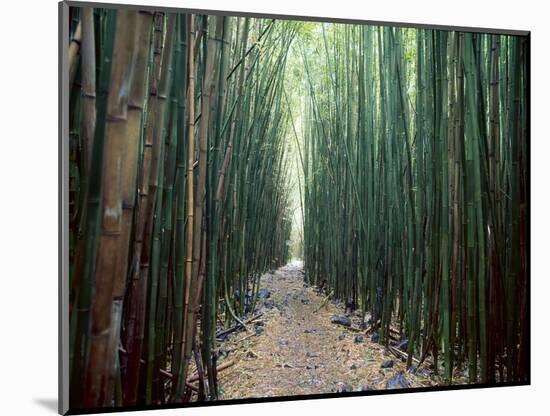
261	208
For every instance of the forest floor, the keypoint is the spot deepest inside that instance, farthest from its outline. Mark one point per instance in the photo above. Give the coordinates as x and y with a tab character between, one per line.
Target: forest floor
293	348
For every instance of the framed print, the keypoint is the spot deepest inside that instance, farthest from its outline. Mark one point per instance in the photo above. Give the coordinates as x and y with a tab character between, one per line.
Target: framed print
266	207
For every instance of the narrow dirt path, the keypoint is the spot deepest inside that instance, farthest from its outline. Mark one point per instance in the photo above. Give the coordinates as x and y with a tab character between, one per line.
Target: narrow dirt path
294	349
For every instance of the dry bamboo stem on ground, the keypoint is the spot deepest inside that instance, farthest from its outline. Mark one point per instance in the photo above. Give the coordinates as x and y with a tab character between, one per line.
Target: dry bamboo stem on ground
235	327
218	369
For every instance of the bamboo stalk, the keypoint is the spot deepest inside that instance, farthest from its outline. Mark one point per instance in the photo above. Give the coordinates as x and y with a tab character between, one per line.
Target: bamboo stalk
99	356
74	53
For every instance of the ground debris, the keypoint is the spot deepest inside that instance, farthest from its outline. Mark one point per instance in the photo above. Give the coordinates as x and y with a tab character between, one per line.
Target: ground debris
398	382
264	293
341	320
301	351
345	388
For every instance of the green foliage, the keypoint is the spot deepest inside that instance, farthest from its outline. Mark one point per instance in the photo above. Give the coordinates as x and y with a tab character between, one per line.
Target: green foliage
405	171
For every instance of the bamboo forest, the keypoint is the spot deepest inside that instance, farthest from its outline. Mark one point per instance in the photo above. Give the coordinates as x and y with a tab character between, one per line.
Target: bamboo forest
267	207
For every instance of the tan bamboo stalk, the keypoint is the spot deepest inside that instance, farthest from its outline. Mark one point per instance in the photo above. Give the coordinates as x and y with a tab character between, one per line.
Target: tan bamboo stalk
74	50
190	202
190	341
135	341
129	164
87	126
143	179
208	100
115	130
203	143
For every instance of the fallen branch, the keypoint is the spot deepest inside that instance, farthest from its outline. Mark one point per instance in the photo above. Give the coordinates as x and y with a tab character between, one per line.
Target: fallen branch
394	337
189	385
395	331
235	327
354	329
244	338
218	369
323	303
400	354
166	374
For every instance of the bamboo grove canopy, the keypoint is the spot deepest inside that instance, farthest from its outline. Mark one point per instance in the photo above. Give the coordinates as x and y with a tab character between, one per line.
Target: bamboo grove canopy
411	148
